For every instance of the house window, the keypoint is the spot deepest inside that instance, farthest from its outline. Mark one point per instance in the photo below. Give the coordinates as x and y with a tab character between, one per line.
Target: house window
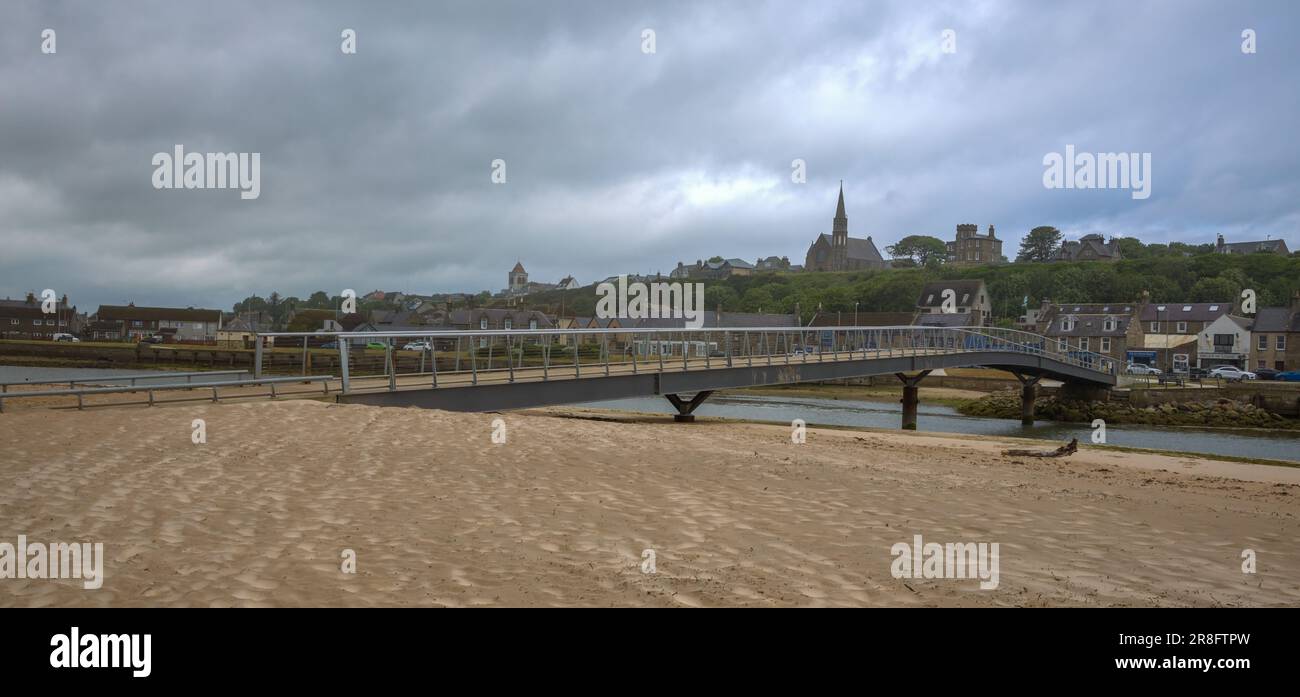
137	323
1182	327
1281	342
509	323
13	321
1061	345
1155	327
482	323
1263	343
1083	343
1223	342
1108	325
1105	344
1065	324
532	324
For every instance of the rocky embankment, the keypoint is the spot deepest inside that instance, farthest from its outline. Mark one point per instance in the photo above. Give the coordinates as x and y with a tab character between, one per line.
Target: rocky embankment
1220	413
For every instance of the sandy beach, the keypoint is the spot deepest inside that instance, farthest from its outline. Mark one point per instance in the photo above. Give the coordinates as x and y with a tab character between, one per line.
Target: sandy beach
563	512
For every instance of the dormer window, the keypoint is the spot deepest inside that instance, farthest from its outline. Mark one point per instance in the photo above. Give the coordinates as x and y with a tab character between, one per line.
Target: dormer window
482	323
1108	324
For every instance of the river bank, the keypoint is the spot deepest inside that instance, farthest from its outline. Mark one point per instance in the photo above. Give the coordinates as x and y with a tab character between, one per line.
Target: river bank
564	512
1217	412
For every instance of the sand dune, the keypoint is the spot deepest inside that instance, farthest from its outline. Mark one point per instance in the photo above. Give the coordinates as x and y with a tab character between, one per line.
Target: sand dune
560	514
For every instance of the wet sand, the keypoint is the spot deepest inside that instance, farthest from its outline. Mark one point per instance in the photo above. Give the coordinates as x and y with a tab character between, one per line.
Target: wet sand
560	514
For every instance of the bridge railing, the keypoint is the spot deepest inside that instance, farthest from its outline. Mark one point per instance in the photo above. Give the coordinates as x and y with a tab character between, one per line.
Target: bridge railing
446	356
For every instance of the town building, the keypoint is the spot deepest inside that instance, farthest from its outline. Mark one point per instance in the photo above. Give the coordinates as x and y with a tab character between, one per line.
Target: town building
839	252
27	319
712	270
1092	247
1098	327
1225	341
970	247
517	279
775	263
174	324
1165	335
1275	337
1268	246
954	303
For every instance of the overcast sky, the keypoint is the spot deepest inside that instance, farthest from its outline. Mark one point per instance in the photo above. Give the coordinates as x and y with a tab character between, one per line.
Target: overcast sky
376	167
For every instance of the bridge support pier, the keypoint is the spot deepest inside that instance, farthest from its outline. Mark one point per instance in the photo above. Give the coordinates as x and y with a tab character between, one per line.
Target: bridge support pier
685	410
911	397
1028	393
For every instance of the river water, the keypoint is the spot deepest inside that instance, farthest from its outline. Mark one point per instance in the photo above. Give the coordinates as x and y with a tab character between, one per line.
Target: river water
1274	445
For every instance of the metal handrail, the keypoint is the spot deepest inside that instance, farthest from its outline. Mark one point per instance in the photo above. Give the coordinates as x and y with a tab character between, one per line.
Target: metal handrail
132	378
739	345
79	393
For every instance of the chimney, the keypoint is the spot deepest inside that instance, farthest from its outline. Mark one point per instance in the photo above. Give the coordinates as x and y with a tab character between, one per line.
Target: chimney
991	235
31	298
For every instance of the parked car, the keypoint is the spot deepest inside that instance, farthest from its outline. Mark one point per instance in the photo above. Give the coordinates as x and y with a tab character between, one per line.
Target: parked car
1266	373
1141	369
66	337
377	345
1198	373
1231	372
418	346
1289	376
155	339
330	345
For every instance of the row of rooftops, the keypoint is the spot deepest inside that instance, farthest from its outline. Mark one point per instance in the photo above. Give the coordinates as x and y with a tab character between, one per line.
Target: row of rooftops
1115	319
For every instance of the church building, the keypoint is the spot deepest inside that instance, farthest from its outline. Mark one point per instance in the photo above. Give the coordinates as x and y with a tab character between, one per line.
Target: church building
839	252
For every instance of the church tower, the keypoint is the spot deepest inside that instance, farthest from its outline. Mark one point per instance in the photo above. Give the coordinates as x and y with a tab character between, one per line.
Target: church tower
840	235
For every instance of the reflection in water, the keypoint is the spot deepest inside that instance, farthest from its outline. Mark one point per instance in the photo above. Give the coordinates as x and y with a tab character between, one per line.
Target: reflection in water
1276	445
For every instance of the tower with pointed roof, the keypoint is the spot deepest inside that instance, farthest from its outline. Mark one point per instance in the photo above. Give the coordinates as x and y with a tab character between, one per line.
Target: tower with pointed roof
840	232
839	252
517	280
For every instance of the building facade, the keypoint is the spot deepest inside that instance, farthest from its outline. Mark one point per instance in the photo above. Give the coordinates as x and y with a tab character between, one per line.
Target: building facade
1267	246
970	247
27	319
517	279
954	303
1089	248
1100	328
172	323
1275	337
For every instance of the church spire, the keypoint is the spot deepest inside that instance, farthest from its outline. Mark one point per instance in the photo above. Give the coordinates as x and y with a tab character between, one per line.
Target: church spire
840	226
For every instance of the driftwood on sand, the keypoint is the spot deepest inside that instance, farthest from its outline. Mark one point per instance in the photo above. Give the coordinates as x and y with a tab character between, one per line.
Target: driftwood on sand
1064	451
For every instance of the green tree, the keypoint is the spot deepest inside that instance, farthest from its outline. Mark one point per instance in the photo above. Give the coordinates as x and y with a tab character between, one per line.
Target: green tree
921	249
1040	244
